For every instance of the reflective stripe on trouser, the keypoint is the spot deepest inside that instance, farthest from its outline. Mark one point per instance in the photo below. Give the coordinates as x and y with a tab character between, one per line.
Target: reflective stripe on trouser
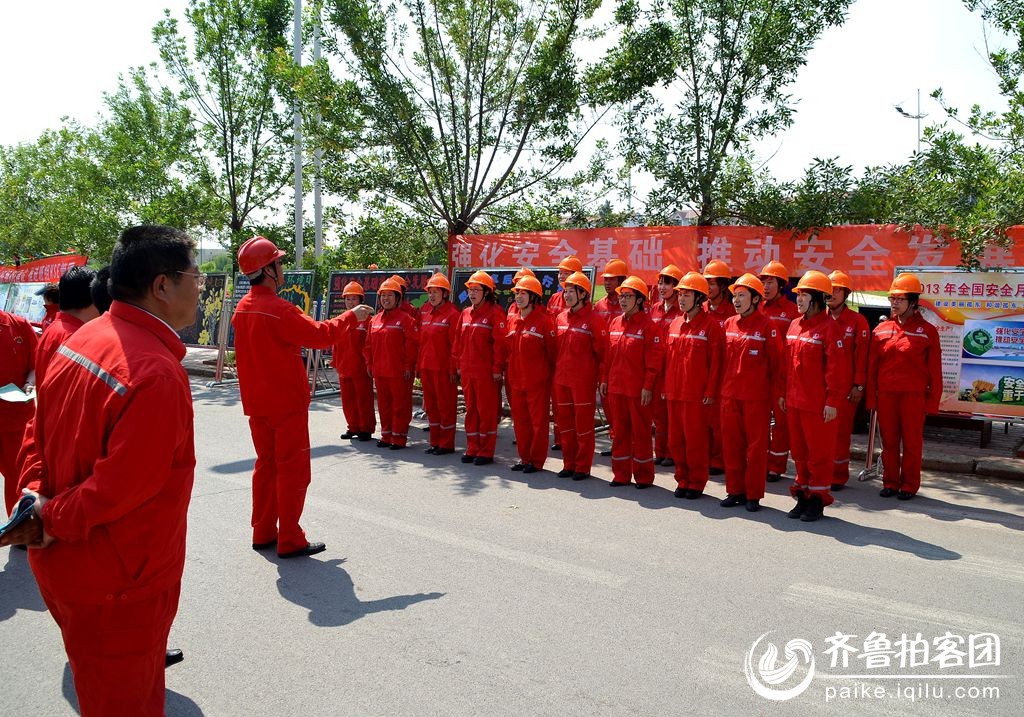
659	413
812	442
574	409
280	478
844	430
688	442
481	422
715	457
530	420
394	404
440	401
901	422
117	652
10	446
632	452
778	444
745	446
357	404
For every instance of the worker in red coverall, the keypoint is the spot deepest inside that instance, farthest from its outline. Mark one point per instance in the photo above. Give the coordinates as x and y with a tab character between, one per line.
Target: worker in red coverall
532	351
76	308
404	304
817	381
440	321
753	377
628	377
856	341
719	305
663	312
479	355
18	348
51	304
694	345
556	305
781	311
615	272
582	341
111	457
350	363
391	350
513	308
269	336
904	384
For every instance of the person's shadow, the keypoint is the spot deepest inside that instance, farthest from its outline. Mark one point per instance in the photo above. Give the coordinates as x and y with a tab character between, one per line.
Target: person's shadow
327	591
175	705
18	590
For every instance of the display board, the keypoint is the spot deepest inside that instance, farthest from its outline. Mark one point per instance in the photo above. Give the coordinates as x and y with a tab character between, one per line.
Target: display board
204	331
370	280
547	276
980	320
23	300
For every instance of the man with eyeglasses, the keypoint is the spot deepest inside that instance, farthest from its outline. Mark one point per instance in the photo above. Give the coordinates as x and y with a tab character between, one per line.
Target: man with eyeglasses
110	459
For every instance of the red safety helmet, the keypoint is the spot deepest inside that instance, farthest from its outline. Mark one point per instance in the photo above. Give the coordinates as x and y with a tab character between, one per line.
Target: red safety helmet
256	253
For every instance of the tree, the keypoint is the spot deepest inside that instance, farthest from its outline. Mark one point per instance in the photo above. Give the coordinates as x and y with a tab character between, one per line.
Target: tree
467	104
699	79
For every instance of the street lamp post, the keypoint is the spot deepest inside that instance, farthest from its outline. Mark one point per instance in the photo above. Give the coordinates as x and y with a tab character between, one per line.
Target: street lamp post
918	116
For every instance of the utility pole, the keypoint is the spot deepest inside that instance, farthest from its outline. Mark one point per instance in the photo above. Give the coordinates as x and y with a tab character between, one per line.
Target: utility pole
918	116
297	124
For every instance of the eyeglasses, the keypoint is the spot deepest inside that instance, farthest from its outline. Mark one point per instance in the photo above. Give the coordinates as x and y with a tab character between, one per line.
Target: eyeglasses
200	278
897	299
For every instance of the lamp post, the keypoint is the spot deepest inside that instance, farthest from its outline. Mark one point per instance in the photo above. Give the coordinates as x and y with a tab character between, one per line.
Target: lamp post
918	116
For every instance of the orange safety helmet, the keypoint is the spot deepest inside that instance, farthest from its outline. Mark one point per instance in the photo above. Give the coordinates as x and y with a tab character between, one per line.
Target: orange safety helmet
634	283
390	284
814	280
353	288
481	278
776	269
694	282
672	271
570	263
840	280
906	284
523	271
531	284
580	281
439	281
751	282
717	269
400	281
256	253
614	269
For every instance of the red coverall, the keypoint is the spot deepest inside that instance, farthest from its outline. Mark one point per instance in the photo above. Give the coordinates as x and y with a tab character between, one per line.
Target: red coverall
272	378
781	311
51	316
479	352
632	363
17	359
904	384
440	394
753	377
53	337
556	304
391	350
715	459
112	446
693	371
582	342
856	341
818	375
412	311
662	317
532	351
608	308
356	384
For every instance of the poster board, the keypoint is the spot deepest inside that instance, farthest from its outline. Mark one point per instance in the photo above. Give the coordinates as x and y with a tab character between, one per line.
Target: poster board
23	301
547	276
205	330
370	280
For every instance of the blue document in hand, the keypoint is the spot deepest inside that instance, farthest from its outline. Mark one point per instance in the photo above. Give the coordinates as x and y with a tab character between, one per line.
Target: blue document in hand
22	512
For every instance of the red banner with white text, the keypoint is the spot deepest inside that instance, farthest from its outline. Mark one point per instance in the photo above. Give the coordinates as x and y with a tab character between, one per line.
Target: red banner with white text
44	270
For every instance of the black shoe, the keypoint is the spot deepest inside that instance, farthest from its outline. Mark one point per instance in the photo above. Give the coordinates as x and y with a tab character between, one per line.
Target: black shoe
658	461
173	656
616	484
716	471
773	477
607	452
668	462
396	447
483	460
694	494
264	546
580	475
431	450
519	466
799	508
641	486
731	500
838	486
814	510
556	446
468	458
753	506
680	493
443	451
348	434
310	549
904	495
383	444
566	473
887	492
364	436
530	468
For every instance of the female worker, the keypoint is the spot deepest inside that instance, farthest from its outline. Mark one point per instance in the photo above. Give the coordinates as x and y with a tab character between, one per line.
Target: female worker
856	341
391	350
628	375
719	305
350	363
439	322
817	381
904	384
774	275
479	355
693	370
662	313
532	352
